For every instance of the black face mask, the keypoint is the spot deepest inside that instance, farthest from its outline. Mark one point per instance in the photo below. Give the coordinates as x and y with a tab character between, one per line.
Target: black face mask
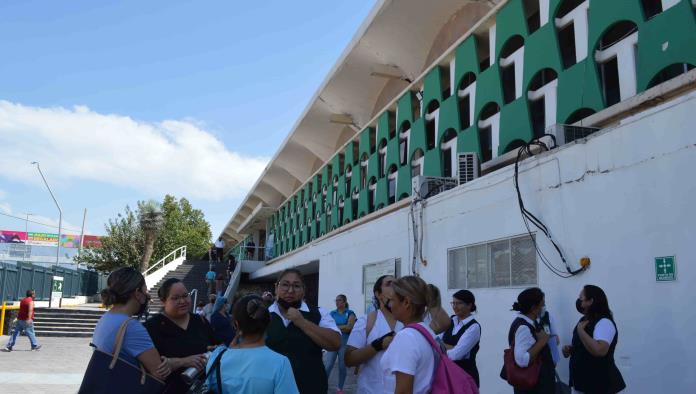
285	305
578	306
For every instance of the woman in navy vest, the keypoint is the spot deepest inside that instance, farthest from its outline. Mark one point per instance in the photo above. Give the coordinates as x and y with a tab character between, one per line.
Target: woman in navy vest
531	341
592	367
462	337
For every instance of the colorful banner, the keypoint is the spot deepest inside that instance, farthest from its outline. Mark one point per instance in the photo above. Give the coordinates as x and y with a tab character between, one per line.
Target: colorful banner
91	241
43	239
15	237
69	241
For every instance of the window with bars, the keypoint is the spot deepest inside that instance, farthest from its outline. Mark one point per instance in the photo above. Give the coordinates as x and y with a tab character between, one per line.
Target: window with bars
503	263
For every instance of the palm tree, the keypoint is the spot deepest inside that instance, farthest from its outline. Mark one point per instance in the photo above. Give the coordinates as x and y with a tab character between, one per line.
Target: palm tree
151	222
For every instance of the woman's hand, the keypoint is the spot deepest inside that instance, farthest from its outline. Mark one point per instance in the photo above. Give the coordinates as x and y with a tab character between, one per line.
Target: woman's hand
197	361
164	369
581	326
567	351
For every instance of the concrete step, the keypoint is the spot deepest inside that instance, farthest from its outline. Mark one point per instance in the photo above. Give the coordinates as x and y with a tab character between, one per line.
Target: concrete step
54	323
63	334
77	329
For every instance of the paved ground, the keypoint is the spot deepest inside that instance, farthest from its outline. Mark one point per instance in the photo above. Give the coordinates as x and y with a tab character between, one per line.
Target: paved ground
56	368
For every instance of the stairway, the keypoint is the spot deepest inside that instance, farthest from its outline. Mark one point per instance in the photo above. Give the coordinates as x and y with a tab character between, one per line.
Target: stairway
66	322
191	273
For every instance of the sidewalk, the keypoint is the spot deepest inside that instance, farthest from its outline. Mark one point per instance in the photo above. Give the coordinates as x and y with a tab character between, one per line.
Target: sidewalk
55	369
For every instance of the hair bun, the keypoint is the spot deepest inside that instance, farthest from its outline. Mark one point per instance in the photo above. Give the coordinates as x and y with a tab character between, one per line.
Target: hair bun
255	308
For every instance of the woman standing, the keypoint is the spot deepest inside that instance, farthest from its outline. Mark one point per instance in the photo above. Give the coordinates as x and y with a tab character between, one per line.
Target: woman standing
221	323
371	336
250	367
345	319
592	366
410	357
530	341
178	334
126	295
463	336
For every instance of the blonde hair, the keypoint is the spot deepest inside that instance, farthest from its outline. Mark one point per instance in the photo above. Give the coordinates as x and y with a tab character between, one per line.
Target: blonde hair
423	296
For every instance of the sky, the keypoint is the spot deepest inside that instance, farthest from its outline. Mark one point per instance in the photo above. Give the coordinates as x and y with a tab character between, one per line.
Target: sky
121	101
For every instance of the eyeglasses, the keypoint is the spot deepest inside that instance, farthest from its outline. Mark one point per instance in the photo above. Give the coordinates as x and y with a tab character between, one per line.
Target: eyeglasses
456	303
178	298
285	286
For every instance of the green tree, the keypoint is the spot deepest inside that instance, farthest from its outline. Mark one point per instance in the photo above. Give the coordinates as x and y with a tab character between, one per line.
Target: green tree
151	221
125	240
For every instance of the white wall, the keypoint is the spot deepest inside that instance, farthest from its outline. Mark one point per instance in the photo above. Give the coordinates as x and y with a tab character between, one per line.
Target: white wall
622	198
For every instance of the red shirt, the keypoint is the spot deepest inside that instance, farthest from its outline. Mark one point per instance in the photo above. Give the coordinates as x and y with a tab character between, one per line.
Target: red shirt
24	309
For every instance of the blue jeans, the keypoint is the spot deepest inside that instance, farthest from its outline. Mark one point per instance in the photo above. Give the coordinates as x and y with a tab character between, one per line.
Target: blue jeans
330	359
28	328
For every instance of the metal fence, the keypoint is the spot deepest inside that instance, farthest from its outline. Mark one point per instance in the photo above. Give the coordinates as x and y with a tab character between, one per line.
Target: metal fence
18	277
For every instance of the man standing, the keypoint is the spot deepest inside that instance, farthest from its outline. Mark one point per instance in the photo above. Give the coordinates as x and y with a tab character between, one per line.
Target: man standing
219	247
300	332
25	322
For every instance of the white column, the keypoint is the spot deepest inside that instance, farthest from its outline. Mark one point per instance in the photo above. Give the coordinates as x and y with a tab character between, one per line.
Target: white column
625	53
543	12
667	4
451	75
548	93
494	123
579	18
491	45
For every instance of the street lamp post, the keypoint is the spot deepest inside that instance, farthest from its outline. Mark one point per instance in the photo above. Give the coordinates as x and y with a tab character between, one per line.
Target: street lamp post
26	230
60	211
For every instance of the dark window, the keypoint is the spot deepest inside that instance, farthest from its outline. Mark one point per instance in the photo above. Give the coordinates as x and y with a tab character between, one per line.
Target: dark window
670	72
566	40
609	77
354	207
507	74
373	139
483	51
445	82
514	145
651	7
579	115
447	163
537	113
391	117
430	131
465	102
531	11
567	6
486	143
391	186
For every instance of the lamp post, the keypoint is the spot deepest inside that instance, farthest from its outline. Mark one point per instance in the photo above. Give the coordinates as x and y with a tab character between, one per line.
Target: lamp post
60	211
26	230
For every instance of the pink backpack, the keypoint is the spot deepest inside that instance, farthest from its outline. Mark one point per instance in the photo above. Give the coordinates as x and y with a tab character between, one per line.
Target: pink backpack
448	377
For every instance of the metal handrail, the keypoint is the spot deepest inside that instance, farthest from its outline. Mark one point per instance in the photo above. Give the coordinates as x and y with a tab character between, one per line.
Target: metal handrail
259	253
194	294
176	253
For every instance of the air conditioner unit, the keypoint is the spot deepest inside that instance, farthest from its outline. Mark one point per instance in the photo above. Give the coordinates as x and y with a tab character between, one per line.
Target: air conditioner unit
469	167
566	133
428	186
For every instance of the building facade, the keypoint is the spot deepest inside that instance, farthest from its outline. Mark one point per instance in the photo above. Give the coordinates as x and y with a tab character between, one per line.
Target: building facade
452	96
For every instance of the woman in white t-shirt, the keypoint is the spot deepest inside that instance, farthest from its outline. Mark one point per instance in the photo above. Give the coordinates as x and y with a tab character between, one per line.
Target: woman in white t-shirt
371	336
410	357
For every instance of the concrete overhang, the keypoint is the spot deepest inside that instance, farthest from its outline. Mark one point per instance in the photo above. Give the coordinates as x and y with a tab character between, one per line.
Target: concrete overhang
256	220
398	41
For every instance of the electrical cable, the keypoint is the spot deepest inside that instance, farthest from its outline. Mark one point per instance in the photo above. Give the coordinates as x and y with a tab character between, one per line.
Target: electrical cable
528	217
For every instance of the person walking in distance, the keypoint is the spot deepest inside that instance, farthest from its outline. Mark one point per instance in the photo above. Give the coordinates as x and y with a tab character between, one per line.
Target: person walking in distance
463	336
530	341
300	332
219	247
592	366
371	336
25	322
345	319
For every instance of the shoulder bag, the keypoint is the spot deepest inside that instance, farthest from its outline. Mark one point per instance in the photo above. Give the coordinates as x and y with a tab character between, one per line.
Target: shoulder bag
107	373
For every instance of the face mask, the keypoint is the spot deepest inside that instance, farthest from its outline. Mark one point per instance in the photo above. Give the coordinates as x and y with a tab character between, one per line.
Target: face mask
578	306
285	305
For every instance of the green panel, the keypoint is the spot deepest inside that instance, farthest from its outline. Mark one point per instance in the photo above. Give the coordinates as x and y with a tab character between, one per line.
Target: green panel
404	112
365	142
383	127
403	182
509	22
466	60
336	165
432	87
604	14
488	89
392	154
373	167
675	29
350	158
468	141
449	117
514	124
416	139
363	203
431	163
578	87
382	193
541	51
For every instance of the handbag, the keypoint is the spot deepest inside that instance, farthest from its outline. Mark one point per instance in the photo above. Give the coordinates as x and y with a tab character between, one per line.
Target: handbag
107	373
518	377
200	386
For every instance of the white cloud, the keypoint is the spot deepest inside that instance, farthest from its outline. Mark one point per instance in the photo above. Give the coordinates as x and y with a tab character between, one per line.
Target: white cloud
172	156
50	224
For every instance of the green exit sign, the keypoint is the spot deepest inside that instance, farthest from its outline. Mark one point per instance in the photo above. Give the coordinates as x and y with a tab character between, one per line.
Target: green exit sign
665	269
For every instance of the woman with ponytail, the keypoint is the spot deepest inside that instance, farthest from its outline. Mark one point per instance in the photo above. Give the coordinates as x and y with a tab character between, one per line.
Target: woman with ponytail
410	357
126	296
530	341
248	366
